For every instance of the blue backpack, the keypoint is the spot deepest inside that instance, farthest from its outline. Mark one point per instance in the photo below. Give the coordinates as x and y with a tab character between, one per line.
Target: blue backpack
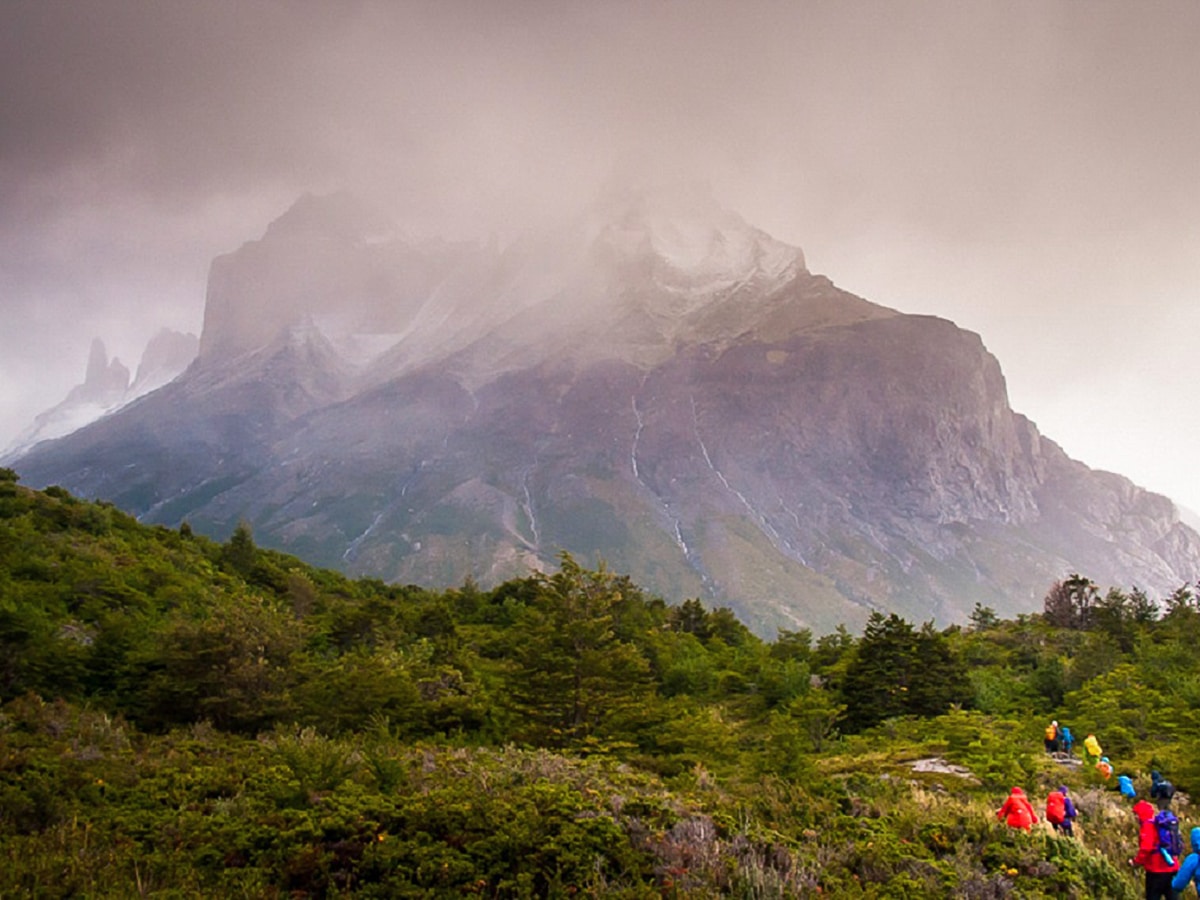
1170	844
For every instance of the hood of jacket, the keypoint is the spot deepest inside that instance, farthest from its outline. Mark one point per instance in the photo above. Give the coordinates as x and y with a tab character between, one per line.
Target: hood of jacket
1143	810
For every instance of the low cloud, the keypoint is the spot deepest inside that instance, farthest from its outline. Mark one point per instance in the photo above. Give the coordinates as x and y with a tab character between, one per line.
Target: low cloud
1015	166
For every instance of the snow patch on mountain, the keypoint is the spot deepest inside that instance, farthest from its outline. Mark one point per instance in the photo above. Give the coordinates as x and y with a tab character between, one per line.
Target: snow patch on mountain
356	347
691	242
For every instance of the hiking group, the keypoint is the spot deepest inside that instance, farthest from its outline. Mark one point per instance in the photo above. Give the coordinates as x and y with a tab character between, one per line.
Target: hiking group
1159	847
1017	811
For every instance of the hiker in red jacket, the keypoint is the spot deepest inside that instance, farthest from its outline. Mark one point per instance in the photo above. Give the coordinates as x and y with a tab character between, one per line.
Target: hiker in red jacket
1060	811
1017	811
1149	857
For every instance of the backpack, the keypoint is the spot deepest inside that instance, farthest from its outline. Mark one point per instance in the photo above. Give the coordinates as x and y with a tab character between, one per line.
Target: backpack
1051	733
1167	827
1162	789
1056	808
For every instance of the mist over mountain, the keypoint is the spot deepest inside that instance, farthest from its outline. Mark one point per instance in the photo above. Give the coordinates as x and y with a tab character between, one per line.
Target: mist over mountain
106	386
654	382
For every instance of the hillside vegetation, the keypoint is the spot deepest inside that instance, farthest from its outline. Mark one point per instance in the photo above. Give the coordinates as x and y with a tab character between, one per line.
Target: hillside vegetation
183	718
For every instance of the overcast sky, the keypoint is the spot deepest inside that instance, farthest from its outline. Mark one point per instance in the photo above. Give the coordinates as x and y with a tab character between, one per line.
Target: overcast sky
1030	170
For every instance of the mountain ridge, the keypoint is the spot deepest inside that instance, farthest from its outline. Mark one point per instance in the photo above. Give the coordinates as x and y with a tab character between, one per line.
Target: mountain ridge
659	384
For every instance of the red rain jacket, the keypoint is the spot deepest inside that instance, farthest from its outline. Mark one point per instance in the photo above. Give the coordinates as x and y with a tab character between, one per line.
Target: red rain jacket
1148	856
1017	811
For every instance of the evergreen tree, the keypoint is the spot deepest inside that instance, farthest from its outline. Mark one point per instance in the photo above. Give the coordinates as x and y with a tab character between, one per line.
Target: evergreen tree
898	671
240	552
575	676
690	617
983	617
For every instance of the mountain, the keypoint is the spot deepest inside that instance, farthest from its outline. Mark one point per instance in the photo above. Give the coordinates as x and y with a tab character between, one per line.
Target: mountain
106	386
166	356
656	383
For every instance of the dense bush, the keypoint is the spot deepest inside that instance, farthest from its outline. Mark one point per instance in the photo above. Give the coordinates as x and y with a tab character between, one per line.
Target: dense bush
189	719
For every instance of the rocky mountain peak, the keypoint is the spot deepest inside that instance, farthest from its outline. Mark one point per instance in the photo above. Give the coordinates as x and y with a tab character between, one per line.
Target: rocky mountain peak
332	258
624	272
103	379
337	216
688	240
167	354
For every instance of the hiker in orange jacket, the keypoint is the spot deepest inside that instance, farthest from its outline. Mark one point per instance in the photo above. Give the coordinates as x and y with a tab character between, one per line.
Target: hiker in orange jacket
1017	811
1158	871
1052	737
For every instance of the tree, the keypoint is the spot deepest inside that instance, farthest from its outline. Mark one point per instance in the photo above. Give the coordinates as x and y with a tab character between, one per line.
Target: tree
833	654
898	671
817	713
690	617
983	618
877	681
1142	609
575	677
727	627
795	645
1181	603
234	666
1071	603
240	552
939	680
1121	616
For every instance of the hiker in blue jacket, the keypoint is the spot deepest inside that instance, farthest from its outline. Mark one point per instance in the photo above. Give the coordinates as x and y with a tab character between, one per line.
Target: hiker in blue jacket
1189	871
1065	739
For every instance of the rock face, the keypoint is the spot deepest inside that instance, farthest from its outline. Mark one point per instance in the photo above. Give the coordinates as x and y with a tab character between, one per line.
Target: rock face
106	387
657	384
164	359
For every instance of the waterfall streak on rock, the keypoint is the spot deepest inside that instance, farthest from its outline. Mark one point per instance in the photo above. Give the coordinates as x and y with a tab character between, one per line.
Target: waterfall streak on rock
637	436
762	520
352	548
799	529
527	505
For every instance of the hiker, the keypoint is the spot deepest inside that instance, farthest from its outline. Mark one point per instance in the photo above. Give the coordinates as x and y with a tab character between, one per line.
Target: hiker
1189	869
1052	737
1161	790
1104	767
1092	747
1126	785
1061	812
1160	865
1066	740
1017	811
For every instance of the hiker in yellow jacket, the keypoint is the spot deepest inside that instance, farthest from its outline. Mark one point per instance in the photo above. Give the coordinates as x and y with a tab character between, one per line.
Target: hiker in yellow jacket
1092	747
